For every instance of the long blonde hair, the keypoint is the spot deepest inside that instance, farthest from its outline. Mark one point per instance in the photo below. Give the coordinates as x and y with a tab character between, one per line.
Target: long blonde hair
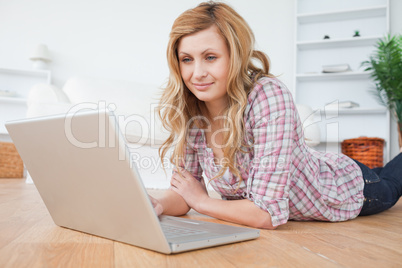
243	74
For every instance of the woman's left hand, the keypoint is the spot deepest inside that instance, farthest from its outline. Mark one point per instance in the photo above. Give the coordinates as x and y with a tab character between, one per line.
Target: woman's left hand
193	191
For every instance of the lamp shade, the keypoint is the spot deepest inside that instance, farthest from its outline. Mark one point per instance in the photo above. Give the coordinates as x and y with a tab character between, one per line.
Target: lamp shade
41	53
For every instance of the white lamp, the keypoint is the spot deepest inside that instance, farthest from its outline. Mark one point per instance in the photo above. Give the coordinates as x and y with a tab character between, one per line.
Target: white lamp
41	57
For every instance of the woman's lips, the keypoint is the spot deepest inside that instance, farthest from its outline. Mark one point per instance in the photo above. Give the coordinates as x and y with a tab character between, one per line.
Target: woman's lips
202	86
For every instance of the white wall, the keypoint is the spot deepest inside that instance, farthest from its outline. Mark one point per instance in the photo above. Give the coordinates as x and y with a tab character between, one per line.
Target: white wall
124	39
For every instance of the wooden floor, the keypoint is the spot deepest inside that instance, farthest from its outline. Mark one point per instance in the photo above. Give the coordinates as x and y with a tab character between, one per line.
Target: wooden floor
29	238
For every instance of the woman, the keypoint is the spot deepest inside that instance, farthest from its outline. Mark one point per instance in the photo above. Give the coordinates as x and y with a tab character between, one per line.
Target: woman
238	124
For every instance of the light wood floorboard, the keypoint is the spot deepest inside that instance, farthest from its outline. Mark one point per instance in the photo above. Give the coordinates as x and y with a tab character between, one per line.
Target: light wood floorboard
29	238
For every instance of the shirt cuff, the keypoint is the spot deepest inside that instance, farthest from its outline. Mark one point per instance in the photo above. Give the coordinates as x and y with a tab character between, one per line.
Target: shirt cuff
278	209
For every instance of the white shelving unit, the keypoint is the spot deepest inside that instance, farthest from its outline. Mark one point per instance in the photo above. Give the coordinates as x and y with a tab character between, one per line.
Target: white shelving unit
339	20
17	83
329	76
345	14
344	42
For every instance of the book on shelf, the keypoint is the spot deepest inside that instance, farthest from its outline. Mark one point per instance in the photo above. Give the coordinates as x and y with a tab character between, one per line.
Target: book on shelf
342	105
338	68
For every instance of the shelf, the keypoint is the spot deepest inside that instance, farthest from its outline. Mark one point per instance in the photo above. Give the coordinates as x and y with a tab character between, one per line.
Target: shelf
34	73
354	111
342	15
330	43
13	100
41	74
332	76
341	139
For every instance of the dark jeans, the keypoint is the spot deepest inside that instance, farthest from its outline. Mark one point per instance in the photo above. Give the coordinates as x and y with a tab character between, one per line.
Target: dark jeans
382	186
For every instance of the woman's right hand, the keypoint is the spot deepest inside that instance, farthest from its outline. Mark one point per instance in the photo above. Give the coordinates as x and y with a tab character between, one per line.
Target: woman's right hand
157	205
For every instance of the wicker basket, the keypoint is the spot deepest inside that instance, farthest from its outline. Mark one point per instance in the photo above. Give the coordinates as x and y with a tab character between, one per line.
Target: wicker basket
11	165
369	151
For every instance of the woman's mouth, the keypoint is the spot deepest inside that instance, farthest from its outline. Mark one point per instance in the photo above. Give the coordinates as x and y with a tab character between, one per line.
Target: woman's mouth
202	86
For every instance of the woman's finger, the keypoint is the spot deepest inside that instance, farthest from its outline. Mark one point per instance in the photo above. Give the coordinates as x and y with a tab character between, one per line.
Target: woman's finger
181	171
178	176
175	181
177	169
157	205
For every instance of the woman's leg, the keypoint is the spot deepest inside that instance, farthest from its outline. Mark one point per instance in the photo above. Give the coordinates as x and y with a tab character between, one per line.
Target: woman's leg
382	190
392	172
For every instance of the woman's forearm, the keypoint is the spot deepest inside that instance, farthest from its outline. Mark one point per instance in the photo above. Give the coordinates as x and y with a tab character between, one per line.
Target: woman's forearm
194	194
173	204
237	211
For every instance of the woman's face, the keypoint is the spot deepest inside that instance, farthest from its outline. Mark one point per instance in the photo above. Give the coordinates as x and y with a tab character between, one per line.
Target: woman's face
204	65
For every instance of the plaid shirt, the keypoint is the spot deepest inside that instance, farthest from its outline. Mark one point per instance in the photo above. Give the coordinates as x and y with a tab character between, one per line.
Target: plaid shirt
281	174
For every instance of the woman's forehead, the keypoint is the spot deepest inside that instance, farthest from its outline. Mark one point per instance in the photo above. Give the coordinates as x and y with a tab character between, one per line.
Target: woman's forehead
209	38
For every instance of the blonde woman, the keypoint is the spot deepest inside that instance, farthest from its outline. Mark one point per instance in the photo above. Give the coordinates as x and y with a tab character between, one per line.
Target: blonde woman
237	124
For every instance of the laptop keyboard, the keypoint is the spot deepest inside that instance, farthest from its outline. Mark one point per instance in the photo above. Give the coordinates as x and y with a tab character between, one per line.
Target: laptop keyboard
174	231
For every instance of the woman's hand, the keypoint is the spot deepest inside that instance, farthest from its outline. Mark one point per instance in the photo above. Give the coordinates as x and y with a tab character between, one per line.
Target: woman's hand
157	205
193	191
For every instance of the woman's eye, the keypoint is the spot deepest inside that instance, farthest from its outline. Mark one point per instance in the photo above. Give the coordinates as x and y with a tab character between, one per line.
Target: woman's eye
185	60
211	58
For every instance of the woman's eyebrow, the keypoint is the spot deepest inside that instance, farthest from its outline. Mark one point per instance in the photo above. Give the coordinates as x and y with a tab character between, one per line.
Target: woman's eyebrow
208	50
185	53
202	53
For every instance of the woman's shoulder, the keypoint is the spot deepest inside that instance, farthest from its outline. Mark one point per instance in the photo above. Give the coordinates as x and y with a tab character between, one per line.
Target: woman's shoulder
268	86
267	92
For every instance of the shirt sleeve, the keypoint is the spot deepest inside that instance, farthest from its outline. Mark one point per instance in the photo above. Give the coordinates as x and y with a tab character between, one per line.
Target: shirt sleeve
272	125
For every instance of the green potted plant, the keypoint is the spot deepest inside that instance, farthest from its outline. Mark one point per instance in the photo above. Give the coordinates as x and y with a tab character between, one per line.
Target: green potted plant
357	33
385	65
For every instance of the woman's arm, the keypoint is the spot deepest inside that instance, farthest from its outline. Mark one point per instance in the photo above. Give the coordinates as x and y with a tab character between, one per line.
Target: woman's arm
171	203
238	211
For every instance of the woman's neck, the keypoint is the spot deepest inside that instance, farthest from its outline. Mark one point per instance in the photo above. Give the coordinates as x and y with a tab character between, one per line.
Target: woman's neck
215	109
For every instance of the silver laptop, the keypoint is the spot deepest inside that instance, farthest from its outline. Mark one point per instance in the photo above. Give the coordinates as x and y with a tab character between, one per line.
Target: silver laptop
80	164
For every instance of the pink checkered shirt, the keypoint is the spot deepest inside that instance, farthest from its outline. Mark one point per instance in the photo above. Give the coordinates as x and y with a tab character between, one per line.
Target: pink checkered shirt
281	174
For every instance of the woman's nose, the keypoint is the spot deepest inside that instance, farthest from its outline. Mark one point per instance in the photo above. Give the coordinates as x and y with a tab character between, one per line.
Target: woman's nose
199	71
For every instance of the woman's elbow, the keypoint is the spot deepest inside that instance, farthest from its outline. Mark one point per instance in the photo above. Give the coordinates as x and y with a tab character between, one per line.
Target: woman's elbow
184	211
263	221
267	225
